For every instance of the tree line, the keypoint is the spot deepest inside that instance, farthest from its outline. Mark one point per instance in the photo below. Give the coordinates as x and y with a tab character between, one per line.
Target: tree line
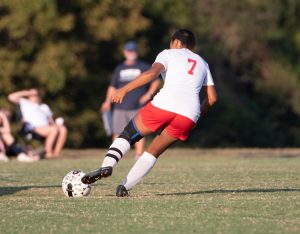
68	50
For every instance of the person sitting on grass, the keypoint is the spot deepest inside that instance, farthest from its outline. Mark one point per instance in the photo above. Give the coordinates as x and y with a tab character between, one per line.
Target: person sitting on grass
37	117
8	144
173	112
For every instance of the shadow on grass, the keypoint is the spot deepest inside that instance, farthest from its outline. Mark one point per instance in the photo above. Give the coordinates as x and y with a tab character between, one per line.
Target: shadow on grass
14	189
221	191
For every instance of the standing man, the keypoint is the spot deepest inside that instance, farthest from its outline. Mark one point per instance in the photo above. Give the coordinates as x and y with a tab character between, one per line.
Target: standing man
124	73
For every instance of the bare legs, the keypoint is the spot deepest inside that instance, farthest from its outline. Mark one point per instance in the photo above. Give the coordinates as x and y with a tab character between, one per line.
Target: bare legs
139	147
7	138
55	139
61	139
147	160
143	165
50	133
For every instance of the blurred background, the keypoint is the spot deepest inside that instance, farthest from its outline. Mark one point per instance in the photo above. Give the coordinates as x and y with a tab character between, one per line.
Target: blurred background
68	50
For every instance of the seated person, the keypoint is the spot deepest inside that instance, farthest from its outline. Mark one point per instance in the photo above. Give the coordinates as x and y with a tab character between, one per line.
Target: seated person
37	117
8	145
3	157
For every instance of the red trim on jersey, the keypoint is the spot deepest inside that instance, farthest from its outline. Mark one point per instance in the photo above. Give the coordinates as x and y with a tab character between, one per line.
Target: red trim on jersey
178	126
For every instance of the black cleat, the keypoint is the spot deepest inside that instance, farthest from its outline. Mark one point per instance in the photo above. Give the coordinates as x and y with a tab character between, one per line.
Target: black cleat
122	191
93	176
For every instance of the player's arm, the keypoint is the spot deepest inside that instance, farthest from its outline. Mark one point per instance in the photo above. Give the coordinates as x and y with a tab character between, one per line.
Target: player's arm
16	96
141	80
150	92
209	100
153	87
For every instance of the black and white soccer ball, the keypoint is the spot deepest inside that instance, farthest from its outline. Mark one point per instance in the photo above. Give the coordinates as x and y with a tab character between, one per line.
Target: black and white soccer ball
72	185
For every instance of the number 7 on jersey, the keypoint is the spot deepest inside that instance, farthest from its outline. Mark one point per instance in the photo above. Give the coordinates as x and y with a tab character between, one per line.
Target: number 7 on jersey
194	62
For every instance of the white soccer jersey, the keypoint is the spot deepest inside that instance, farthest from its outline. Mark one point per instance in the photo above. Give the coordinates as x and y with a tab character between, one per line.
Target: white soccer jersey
185	73
35	114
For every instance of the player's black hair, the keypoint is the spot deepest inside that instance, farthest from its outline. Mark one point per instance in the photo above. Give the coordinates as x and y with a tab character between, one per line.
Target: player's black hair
186	37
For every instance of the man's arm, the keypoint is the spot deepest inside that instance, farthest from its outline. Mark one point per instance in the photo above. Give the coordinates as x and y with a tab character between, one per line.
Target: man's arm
210	99
106	105
16	96
141	80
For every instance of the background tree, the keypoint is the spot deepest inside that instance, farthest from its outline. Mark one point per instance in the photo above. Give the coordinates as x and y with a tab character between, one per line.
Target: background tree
68	49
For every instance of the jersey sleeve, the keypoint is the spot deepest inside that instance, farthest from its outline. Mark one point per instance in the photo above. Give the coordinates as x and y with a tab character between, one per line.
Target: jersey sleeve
208	79
162	58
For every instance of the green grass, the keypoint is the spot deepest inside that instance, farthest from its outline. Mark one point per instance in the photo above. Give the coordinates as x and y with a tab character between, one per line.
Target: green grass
188	191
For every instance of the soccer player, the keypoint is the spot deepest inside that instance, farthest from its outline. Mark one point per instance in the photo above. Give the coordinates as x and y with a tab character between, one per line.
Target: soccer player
173	112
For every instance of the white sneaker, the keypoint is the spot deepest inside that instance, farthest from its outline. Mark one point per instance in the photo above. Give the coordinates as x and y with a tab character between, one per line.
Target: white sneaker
22	157
3	158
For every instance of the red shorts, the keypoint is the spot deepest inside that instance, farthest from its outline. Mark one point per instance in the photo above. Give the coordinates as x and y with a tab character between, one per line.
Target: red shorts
177	126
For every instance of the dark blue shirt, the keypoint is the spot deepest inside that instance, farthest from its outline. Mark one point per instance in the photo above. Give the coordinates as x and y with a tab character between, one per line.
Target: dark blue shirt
123	74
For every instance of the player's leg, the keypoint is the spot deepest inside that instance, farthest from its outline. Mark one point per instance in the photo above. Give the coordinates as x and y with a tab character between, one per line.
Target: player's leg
129	135
61	139
120	146
177	129
139	148
114	154
145	162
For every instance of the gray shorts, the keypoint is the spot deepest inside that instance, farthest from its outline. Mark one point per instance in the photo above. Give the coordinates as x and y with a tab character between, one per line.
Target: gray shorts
120	118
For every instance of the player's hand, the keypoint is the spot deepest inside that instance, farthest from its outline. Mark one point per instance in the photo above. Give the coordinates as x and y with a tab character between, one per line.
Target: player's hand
105	106
118	96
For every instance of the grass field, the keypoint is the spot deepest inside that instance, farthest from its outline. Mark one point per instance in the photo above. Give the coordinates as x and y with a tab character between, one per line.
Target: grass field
188	191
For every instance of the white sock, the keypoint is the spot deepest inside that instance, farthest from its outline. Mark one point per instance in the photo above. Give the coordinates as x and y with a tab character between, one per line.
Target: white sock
118	148
141	168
